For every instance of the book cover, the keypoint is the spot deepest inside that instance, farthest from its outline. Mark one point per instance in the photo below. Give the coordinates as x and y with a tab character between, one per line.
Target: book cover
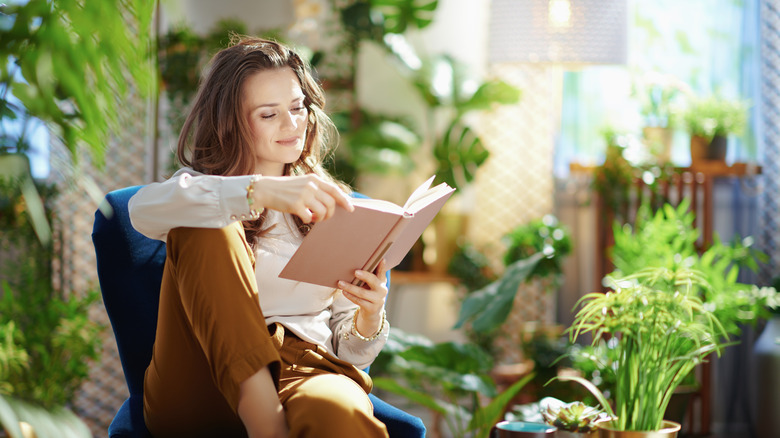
335	248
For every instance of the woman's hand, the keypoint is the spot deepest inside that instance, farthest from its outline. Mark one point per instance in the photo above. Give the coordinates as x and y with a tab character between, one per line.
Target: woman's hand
370	297
309	197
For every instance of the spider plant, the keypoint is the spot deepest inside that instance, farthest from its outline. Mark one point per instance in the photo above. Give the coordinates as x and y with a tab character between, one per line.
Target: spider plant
663	331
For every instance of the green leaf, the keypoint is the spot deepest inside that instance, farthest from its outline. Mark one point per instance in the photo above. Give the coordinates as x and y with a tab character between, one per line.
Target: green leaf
489	93
18	166
53	423
399	15
459	153
592	389
418	397
489	307
491	414
455	356
8	419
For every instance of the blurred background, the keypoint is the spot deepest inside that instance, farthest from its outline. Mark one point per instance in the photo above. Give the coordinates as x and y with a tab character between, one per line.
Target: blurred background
552	118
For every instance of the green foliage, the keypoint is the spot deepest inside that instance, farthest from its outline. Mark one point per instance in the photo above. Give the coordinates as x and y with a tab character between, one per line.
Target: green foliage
488	308
663	331
71	62
716	116
13	359
52	333
659	97
373	19
458	150
668	238
613	179
597	363
546	236
404	14
572	417
448	378
470	267
458	153
535	250
378	145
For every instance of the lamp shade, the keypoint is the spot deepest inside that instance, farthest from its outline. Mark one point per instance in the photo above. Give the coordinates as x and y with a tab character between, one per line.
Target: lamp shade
558	31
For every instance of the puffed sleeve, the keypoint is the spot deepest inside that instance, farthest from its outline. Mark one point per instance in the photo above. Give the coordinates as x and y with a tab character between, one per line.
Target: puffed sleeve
347	346
189	199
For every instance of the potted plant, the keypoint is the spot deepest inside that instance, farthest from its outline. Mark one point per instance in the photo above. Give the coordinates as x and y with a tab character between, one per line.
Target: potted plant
451	379
573	420
663	331
535	251
658	95
710	121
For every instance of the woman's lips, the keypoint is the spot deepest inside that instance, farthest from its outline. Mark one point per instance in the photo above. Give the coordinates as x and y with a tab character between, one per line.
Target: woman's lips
292	141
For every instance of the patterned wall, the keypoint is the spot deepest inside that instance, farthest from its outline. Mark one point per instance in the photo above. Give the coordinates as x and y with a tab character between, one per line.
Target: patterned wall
515	185
770	106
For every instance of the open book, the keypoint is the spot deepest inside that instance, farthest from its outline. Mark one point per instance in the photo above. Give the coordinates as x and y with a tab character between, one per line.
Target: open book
377	229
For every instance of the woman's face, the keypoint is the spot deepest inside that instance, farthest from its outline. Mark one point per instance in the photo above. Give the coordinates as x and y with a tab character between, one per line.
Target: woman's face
273	106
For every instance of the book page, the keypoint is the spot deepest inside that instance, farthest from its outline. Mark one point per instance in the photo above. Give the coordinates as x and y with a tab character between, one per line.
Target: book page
378	205
419	192
417	222
429	196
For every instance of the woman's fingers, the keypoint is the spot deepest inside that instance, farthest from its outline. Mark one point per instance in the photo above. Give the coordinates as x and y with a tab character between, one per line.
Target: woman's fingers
339	197
308	196
371	296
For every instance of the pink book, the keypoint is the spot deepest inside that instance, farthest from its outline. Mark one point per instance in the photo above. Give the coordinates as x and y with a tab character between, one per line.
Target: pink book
335	248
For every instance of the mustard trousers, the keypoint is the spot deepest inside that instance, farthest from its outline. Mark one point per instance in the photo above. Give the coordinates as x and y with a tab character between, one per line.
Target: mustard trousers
211	336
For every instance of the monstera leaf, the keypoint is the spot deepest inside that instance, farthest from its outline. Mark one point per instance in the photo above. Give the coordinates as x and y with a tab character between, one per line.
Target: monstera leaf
399	15
459	152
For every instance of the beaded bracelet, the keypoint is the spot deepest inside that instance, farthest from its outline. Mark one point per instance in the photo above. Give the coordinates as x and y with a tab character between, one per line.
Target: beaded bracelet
250	198
357	334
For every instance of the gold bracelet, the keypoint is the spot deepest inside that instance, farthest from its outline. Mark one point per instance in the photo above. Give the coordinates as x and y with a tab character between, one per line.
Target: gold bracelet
357	334
250	198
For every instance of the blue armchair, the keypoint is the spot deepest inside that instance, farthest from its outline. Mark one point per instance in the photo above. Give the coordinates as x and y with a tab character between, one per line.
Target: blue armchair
130	270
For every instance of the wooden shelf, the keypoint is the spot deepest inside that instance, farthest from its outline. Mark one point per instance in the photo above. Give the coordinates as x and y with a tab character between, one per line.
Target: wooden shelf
710	168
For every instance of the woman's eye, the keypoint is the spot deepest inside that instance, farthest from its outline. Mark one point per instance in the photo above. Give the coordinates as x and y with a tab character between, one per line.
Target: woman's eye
268	116
299	109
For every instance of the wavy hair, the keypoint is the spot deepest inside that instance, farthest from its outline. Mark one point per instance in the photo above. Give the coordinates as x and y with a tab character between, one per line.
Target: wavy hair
216	139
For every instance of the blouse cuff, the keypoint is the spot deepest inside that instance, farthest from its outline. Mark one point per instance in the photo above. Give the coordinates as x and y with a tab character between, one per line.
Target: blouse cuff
233	193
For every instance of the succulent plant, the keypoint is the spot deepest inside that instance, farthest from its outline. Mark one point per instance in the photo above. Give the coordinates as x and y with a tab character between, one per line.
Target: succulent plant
572	417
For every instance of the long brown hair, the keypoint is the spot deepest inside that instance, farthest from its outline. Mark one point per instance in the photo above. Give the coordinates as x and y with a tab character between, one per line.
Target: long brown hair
216	139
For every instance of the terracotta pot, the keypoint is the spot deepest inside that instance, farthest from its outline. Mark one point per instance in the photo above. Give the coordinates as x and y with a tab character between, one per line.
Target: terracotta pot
698	149
670	429
704	149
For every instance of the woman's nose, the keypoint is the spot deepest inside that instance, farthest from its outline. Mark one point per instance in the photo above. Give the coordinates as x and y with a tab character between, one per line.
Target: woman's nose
290	120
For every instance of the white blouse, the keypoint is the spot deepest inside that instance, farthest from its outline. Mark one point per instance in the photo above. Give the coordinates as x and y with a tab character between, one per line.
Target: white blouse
315	313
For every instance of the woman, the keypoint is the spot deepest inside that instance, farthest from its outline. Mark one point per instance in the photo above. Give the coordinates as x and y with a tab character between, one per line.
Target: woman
238	350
